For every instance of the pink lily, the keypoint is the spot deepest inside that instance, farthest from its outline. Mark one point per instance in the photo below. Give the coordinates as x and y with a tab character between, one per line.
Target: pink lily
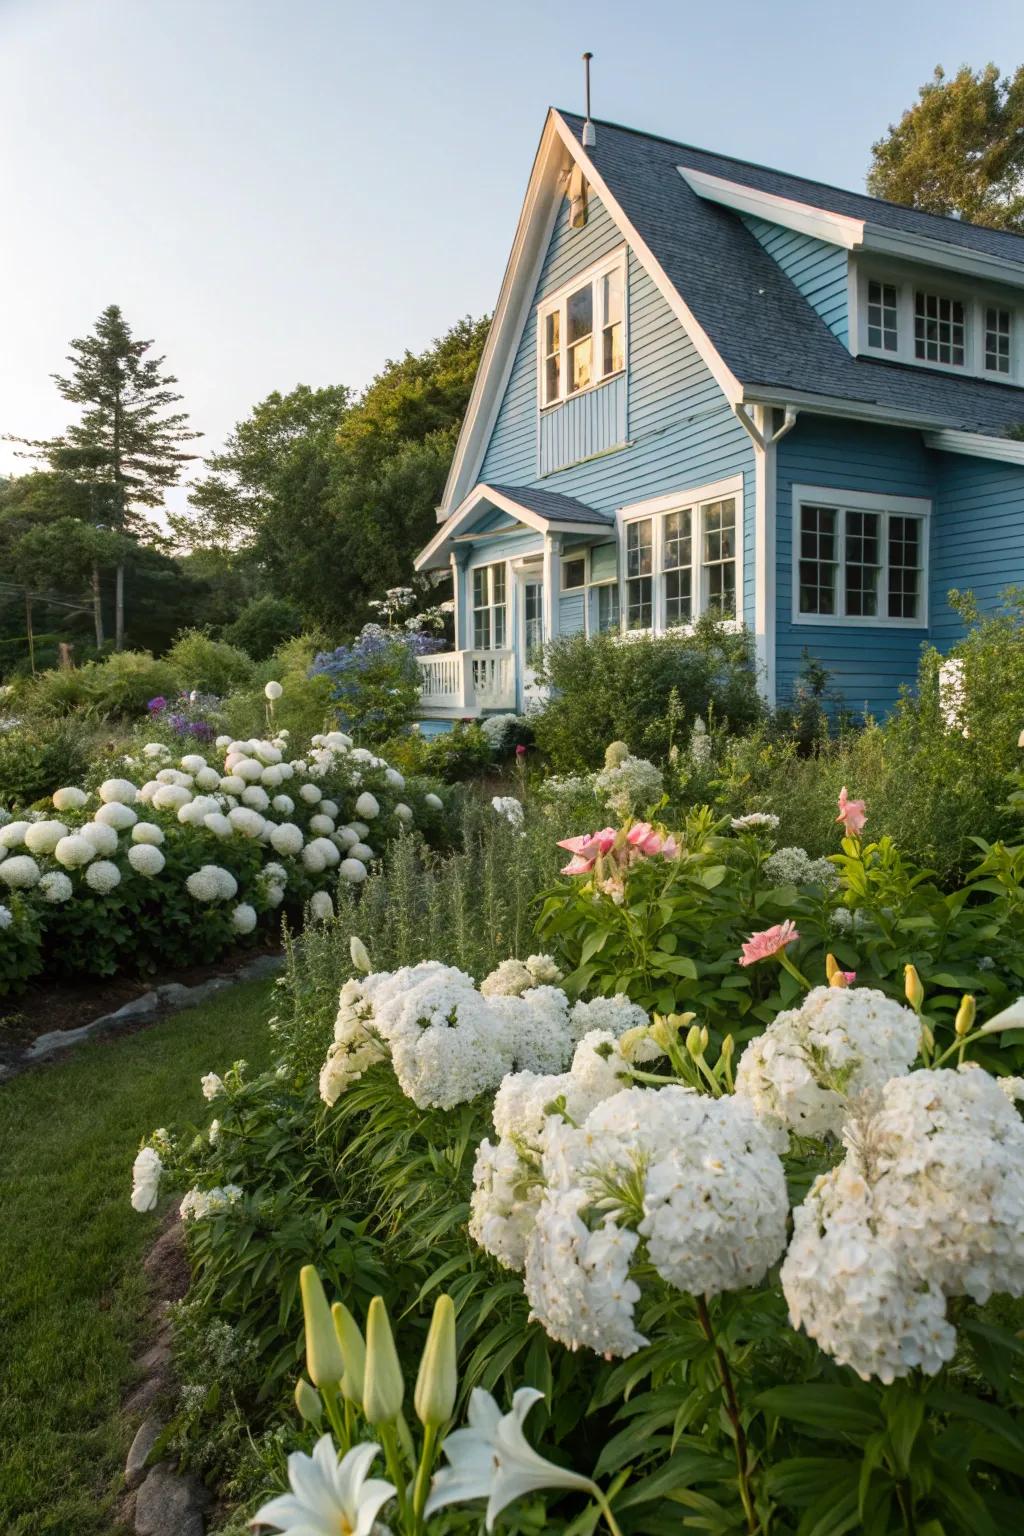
761	946
578	866
852	813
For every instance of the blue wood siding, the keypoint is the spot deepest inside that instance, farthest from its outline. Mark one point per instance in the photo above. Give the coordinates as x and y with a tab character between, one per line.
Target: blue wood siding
682	432
819	270
977	536
867	664
589	423
570	613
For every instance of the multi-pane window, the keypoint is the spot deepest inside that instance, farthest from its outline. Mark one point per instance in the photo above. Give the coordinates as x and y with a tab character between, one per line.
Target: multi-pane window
997	339
489	608
677	565
720	558
574	573
939	329
854	563
582	335
639	574
883	331
613	352
533	619
608	607
819	559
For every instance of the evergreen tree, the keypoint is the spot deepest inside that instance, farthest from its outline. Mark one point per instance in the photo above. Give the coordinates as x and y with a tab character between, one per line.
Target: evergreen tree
128	443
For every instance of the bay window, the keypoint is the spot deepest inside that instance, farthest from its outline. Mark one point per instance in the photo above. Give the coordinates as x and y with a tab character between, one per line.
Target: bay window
582	331
489	607
859	558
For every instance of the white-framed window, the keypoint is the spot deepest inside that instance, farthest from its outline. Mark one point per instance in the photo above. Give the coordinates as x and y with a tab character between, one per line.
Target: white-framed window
859	558
574	572
490	607
608	617
919	319
582	331
682	557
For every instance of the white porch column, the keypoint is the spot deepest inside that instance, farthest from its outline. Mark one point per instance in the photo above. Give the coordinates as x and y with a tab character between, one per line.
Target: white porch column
458	565
552	583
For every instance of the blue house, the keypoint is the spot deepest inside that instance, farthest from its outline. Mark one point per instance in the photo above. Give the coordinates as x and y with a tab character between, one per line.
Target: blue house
710	386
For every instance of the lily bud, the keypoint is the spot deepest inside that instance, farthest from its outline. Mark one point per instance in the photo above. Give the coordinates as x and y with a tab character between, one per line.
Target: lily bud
307	1401
324	1360
383	1387
728	1047
438	1378
353	1351
360	956
831	966
965	1015
693	1044
705	1038
927	1038
912	988
635	1037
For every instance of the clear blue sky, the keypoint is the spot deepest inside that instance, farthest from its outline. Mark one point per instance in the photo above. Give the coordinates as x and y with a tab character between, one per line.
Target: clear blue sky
285	191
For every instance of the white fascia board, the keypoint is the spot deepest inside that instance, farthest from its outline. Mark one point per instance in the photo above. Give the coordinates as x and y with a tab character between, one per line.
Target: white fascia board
977	445
716	365
832	405
533	232
834	228
938	253
486	494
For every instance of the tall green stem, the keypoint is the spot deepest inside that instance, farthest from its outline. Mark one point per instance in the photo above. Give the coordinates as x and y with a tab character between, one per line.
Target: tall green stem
423	1472
389	1440
732	1408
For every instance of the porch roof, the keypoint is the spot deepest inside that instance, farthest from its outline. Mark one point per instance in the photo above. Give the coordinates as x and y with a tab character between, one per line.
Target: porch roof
542	510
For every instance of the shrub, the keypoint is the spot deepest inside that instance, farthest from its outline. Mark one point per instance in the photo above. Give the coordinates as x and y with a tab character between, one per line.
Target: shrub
461	753
262	625
305	707
375	681
208	666
643	690
35	760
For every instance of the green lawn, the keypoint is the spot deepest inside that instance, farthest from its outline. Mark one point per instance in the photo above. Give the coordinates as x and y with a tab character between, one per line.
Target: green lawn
72	1293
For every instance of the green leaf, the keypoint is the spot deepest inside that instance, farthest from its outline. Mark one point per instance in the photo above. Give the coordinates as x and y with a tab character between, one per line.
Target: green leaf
835	1409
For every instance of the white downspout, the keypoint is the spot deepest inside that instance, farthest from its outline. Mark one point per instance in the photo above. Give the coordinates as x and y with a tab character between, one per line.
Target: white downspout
759	428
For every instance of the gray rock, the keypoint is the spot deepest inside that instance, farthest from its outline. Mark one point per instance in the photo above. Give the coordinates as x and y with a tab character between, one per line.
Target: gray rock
60	1039
263	965
148	1434
174	994
156	1358
207	989
169	1504
136	1009
141	1400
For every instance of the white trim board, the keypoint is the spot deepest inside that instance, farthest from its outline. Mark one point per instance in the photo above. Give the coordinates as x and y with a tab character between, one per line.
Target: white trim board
977	445
655	507
447	533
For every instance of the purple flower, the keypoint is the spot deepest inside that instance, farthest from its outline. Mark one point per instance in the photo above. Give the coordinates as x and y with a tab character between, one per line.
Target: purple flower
156	705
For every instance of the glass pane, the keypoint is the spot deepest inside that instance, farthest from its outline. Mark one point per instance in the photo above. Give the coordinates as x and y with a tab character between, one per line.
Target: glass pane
480	586
497	583
862	564
678	539
904	567
639	595
552	378
997	340
614	355
882	313
678	596
552	331
608	607
498	627
939	329
639	548
722	590
574	573
612	295
482	629
579	314
818	560
580	364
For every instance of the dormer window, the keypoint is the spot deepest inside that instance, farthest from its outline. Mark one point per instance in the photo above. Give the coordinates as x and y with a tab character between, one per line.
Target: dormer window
582	332
952	326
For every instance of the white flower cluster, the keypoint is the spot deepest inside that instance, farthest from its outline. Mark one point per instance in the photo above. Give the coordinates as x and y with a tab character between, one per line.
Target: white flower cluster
514	977
630	785
199	1204
794	866
694	1179
812	1063
755	821
927	1204
509	809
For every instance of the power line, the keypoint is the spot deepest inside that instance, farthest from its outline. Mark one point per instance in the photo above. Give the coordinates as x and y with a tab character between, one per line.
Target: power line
10	590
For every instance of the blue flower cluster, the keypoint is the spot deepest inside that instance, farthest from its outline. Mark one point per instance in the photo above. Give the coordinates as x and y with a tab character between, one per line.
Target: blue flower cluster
375	680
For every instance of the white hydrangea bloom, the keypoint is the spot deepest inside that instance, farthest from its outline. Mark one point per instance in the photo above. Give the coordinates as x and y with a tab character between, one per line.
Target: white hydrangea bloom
812	1062
509	979
313	859
231	784
329	808
175	776
69	799
404	812
19	872
360	829
794	866
207	778
117	815
286	839
353	870
217	823
243	918
273	691
102	837
508	808
361	851
211	883
146	859
200	1204
321	907
274	874
74	851
322	825
434	801
155	749
368	807
56	887
222	742
256	797
6	917
249	769
755	821
615	1015
102	876
310	793
250	823
121	791
284	805
170	797
12	833
631	785
193	763
43	836
146	1171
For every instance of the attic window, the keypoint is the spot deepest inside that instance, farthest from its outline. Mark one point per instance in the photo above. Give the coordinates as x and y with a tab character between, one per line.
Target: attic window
940	329
582	331
961	329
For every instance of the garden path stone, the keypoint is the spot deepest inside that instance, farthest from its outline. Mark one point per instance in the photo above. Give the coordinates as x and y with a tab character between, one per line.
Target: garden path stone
148	1433
169	1504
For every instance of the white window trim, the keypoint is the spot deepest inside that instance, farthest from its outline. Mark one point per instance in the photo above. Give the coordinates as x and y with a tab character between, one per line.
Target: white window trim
975	299
557	300
860	501
680	501
489	607
567	559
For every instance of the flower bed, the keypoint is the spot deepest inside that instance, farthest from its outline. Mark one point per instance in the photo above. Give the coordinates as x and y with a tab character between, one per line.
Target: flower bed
179	857
721	1176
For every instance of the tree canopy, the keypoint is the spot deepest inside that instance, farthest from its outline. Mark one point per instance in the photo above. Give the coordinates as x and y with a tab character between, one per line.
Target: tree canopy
959	150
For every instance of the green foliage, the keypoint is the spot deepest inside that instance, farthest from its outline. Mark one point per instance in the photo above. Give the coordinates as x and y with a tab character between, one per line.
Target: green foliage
210	666
35	760
121	685
959	150
262	625
606	691
454	756
305	708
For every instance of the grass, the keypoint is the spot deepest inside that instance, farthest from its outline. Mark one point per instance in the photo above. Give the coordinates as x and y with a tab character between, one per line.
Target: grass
73	1305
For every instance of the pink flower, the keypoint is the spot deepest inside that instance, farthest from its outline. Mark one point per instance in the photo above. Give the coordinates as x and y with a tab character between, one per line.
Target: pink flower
670	848
842	978
852	813
761	946
578	866
586	849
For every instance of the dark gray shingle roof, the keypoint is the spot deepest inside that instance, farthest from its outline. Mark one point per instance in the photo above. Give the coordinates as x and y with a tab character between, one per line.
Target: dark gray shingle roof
550	505
758	322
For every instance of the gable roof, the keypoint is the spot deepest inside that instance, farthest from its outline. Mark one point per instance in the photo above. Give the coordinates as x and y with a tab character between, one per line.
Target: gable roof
765	333
542	510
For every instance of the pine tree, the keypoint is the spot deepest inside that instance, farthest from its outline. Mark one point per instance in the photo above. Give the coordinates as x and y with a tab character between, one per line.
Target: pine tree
128	443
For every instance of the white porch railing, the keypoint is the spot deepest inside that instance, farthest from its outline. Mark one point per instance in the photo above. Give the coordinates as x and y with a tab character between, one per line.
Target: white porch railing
467	681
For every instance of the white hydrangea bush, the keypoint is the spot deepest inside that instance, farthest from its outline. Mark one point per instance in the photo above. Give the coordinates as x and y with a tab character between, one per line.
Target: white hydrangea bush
173	857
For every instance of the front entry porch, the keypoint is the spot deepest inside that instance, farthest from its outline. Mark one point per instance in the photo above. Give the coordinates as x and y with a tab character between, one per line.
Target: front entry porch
456	684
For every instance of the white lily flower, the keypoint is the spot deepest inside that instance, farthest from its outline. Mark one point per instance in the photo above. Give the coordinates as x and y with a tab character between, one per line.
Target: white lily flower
1010	1018
493	1459
329	1497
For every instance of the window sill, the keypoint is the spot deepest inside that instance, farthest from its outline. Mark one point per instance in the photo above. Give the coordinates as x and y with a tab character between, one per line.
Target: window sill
577	394
834	621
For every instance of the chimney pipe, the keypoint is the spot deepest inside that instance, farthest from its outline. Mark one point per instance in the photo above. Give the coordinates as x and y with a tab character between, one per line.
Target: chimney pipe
589	137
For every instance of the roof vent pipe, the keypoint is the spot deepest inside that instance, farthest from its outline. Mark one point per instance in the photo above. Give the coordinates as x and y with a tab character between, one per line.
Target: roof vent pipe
589	137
